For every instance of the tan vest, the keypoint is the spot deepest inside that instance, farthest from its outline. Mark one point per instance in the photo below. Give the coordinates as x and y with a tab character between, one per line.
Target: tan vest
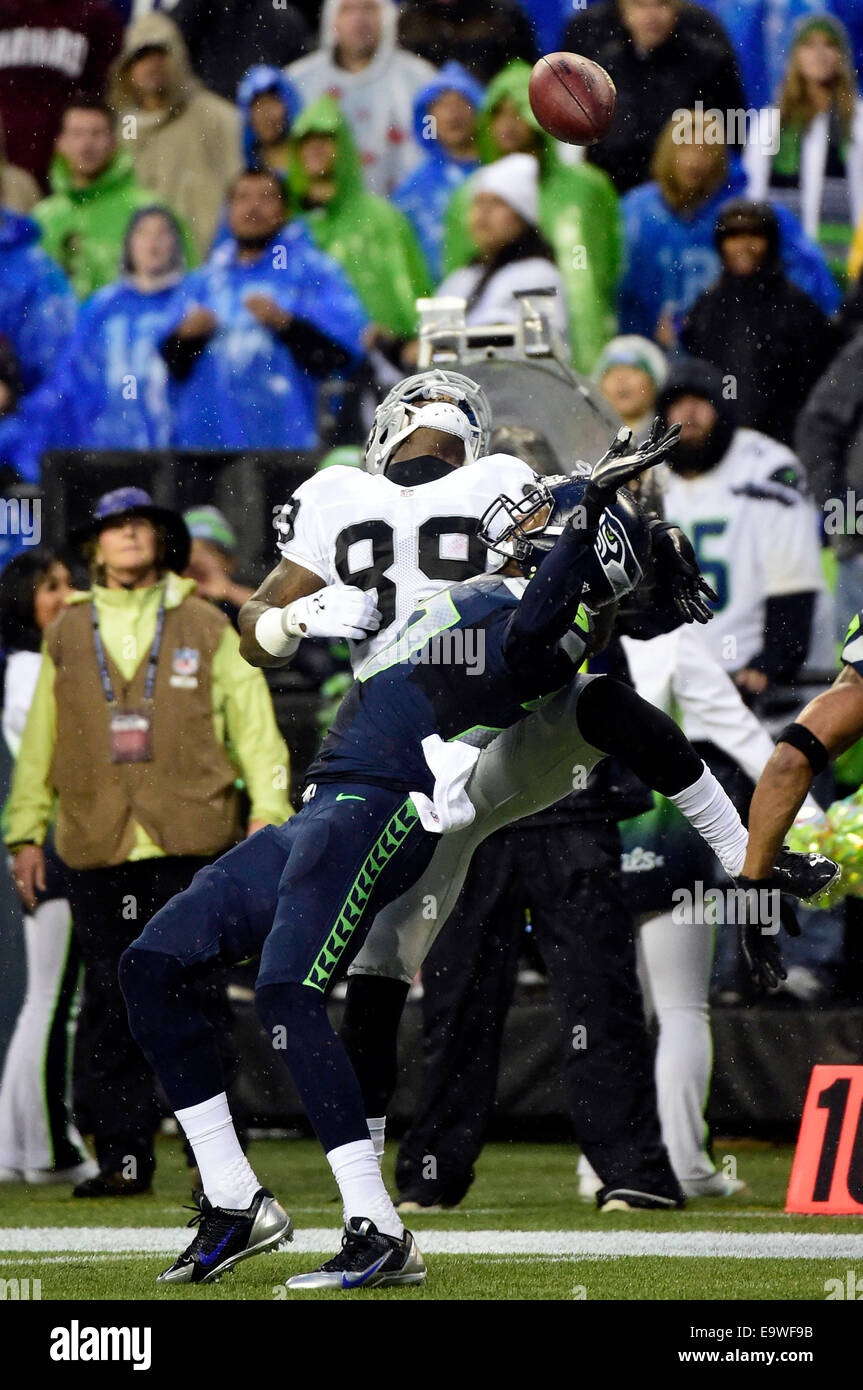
185	799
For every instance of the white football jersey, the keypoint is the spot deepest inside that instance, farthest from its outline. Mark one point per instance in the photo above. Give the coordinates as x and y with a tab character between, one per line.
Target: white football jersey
755	535
404	543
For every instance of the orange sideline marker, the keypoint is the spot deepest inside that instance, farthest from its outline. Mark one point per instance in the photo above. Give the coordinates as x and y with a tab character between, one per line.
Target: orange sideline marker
827	1174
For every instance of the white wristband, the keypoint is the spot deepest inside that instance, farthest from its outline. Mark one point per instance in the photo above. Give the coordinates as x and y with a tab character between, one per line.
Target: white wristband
270	634
292	617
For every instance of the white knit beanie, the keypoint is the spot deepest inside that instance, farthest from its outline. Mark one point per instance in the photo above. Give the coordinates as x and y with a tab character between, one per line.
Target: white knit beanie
631	350
515	179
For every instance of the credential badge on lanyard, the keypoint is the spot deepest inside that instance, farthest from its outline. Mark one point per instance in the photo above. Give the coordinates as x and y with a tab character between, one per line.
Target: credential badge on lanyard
131	730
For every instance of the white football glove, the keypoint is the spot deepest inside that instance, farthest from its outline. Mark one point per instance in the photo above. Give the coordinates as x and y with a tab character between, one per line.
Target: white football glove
337	611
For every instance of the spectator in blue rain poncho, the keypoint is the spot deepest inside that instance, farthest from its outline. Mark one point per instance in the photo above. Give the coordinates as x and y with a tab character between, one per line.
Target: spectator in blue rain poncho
37	307
259	326
109	389
445	123
269	105
114	379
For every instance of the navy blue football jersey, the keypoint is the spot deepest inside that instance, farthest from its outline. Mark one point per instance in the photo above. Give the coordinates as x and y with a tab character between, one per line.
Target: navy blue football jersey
449	672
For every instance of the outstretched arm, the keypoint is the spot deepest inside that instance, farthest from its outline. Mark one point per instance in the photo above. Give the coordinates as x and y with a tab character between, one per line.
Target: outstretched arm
835	720
551	599
831	723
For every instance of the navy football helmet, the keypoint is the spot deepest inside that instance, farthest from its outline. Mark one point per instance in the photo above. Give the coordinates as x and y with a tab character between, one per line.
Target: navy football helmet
526	530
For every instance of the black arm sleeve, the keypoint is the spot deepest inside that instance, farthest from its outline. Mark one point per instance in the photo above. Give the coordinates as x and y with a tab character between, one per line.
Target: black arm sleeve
313	350
787	629
181	354
550	602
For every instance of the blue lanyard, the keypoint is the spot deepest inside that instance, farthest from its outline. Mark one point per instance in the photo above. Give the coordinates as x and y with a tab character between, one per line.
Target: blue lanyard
152	663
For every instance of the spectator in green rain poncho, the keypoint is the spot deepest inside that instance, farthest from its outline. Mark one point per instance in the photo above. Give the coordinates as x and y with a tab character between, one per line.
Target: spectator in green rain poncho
371	240
578	214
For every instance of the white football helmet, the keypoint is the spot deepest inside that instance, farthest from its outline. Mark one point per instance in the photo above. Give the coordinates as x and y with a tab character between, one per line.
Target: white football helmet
411	405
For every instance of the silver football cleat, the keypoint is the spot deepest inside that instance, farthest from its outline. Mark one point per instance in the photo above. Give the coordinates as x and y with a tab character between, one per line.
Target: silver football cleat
226	1236
367	1260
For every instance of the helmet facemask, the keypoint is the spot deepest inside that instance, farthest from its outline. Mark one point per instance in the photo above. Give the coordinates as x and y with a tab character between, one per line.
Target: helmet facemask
525	531
515	530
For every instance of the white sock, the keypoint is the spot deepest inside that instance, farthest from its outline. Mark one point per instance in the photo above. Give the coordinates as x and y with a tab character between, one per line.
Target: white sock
377	1131
585	1169
357	1172
706	806
226	1174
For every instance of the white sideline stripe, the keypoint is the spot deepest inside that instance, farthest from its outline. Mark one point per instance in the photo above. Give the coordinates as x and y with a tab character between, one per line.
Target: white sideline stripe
734	1245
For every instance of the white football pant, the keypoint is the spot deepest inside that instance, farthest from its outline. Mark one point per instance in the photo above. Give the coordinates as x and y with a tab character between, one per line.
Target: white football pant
527	768
25	1125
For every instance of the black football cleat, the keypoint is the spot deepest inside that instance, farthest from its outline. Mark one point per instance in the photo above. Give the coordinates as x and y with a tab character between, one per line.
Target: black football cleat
803	876
367	1260
630	1199
423	1197
112	1185
225	1237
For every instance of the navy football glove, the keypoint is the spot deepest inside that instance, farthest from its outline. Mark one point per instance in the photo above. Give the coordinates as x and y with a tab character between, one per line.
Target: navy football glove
676	560
621	463
758	931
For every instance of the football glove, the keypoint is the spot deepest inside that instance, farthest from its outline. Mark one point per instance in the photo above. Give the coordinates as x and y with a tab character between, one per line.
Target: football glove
675	558
620	463
336	611
758	932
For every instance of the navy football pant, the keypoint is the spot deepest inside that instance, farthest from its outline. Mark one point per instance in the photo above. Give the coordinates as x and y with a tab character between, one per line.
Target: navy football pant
302	896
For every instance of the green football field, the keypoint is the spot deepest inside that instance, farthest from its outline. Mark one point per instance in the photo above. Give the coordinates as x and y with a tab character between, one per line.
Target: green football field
521	1233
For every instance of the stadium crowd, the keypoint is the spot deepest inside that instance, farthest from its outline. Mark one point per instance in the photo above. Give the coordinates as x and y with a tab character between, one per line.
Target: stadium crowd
216	217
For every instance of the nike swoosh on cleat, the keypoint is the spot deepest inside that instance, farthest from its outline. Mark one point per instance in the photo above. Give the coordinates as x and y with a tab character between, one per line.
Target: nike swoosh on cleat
342	796
206	1260
354	1281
